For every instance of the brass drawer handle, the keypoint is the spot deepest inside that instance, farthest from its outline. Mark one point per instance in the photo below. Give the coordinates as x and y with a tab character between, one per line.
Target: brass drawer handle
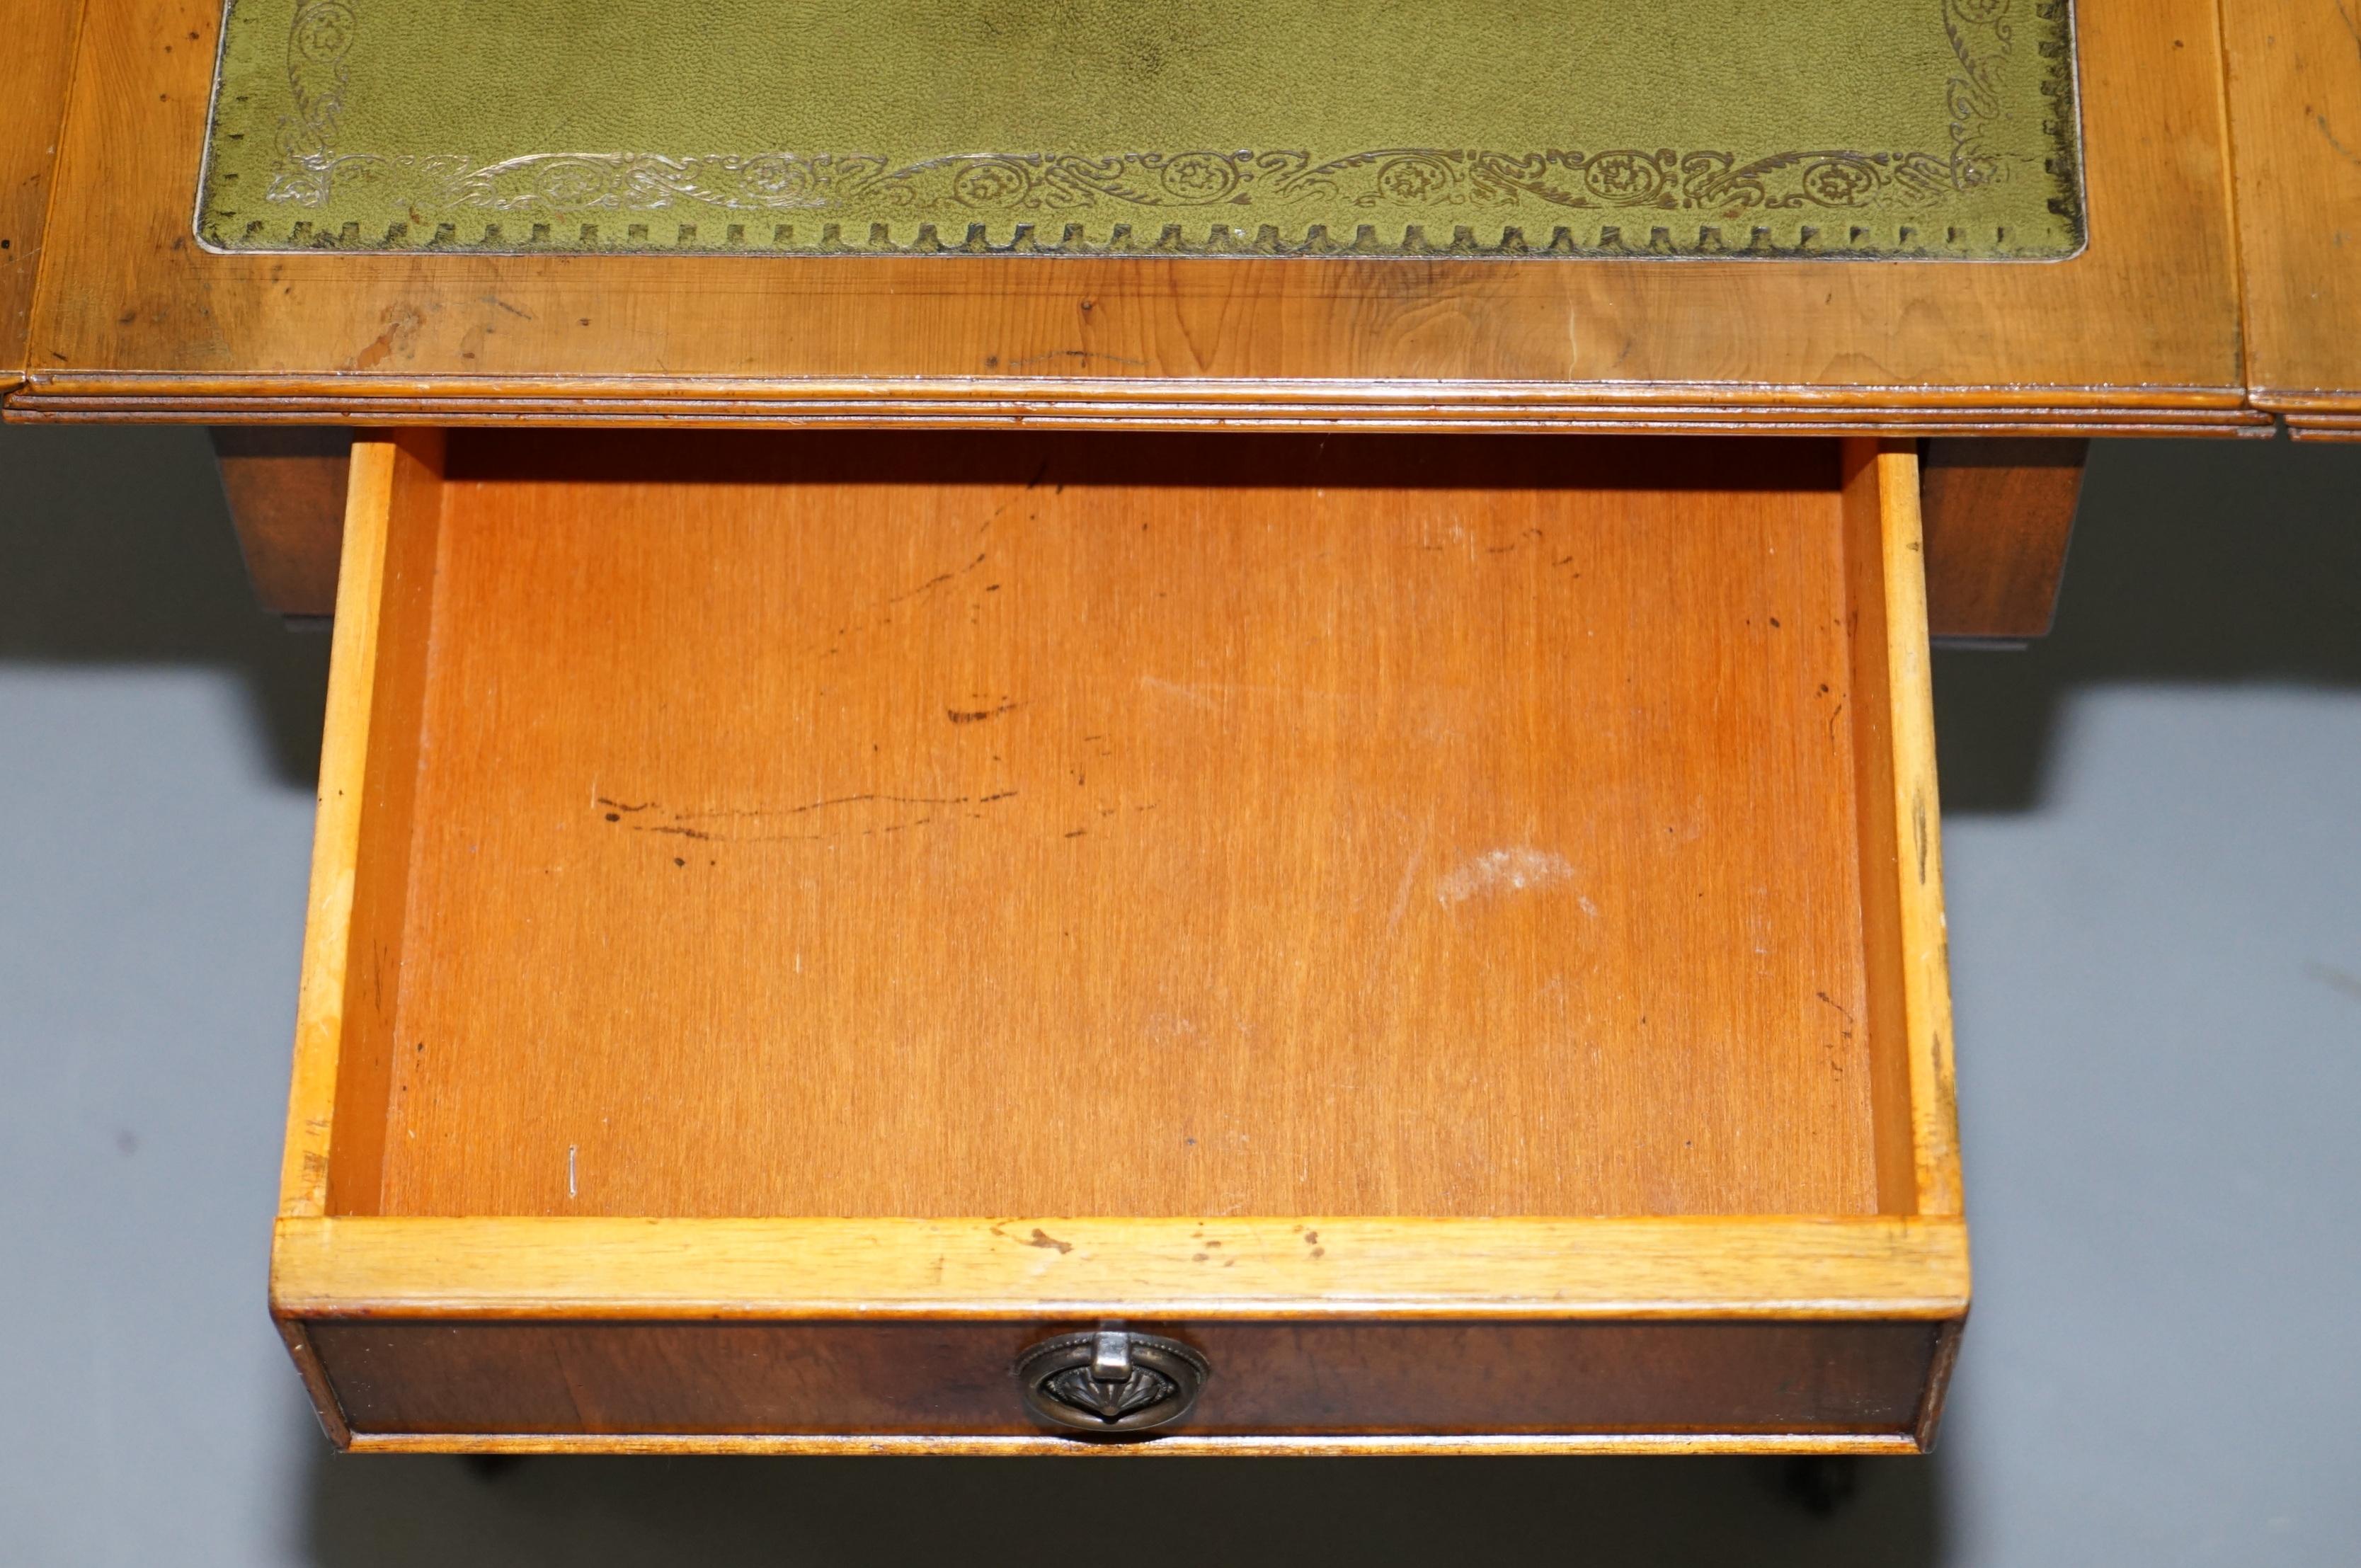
1110	1380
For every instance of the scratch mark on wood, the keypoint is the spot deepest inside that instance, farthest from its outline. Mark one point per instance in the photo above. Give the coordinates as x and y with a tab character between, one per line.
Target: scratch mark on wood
742	825
2320	118
1040	1238
1075	353
938	580
866	796
978	715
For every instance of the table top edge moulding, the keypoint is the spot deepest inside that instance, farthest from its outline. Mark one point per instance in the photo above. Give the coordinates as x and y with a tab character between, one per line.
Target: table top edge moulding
2138	332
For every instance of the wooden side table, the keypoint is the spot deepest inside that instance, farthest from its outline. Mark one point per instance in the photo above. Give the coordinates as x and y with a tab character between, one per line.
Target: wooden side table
1150	849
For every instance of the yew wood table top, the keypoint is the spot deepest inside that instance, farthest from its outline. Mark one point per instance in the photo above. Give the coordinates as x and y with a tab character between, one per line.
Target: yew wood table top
2113	306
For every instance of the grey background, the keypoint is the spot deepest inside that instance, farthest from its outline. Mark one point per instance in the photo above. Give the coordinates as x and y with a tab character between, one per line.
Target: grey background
2155	864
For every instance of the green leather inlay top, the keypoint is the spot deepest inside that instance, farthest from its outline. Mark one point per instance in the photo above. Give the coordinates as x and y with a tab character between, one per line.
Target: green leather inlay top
1945	128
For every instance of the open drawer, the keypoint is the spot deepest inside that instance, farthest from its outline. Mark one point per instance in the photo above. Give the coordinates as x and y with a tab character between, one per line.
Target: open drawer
1445	934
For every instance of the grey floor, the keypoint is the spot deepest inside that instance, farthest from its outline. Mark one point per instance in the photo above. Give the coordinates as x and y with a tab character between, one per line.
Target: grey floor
2156	911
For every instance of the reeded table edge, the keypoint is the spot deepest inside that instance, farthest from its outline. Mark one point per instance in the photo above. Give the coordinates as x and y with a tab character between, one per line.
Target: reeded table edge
2316	414
1173	403
2326	428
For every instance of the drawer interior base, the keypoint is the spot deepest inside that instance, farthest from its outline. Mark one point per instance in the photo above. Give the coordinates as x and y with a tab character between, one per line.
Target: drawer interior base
925	825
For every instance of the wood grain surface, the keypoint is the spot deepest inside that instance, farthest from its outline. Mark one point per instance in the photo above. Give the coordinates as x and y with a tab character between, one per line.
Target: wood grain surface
883	1380
2295	115
1885	1013
1999	516
977	825
286	487
1040	1270
358	879
1903	848
321	1047
32	120
2139	333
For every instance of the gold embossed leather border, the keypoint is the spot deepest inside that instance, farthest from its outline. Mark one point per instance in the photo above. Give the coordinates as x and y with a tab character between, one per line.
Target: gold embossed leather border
1850	128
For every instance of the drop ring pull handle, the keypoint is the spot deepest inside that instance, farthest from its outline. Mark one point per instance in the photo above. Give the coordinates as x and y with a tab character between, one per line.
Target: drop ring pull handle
1110	1380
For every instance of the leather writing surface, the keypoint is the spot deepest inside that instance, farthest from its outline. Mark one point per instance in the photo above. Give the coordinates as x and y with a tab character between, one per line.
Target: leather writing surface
1842	128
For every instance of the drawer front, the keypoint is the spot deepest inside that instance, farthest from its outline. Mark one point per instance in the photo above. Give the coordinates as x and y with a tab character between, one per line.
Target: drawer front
860	1381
